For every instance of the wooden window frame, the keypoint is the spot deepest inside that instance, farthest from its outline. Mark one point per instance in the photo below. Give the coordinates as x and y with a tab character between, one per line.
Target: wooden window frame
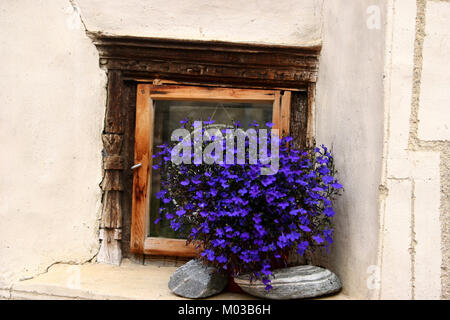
129	61
145	96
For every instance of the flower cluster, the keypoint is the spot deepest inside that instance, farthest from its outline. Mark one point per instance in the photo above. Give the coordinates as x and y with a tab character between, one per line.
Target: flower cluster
245	222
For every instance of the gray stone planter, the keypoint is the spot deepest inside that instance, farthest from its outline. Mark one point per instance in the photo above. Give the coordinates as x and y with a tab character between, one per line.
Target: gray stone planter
194	280
293	283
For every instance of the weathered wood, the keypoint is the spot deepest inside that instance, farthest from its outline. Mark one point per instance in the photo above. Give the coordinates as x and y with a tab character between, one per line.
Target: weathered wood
114	113
112	143
129	106
113	163
310	140
170	247
110	252
176	92
112	210
160	82
299	119
142	152
111	219
224	62
114	233
285	113
196	62
276	112
112	180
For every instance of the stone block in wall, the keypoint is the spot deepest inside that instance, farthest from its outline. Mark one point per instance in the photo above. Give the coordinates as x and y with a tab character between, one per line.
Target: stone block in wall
427	226
396	269
434	107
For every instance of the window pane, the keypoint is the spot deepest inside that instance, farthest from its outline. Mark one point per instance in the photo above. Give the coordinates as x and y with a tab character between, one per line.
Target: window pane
168	115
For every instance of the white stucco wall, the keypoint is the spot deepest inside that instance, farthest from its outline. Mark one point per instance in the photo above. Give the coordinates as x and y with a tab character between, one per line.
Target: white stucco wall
53	103
51	117
349	120
287	22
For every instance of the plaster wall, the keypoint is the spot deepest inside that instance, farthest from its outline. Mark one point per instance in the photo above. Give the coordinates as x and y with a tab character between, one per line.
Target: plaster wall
53	105
51	117
349	120
288	22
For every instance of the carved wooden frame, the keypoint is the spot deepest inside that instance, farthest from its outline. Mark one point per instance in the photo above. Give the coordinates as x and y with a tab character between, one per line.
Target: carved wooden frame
132	60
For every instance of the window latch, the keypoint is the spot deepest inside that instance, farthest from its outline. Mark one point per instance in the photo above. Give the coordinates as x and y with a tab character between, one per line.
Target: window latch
136	166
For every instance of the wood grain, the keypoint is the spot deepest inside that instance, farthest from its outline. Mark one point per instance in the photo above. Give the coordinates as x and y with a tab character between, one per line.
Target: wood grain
114	162
142	152
299	119
276	111
112	180
112	210
209	61
285	113
170	247
114	113
110	251
112	143
310	132
176	92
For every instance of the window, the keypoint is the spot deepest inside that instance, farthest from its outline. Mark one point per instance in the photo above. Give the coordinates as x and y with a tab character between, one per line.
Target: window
159	108
286	71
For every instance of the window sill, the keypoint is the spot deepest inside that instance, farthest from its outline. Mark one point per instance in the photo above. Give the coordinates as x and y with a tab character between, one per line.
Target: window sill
106	282
101	281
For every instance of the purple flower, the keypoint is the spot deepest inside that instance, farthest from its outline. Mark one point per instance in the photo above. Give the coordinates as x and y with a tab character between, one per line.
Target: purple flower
318	239
166	200
257	219
160	194
245	236
269	180
305	228
222	258
219	233
302	246
329	212
244	219
337	185
283	205
327	179
196	180
242	191
180	212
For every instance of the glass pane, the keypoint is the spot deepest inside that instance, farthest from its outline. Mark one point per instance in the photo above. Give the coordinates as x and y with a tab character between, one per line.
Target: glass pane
168	115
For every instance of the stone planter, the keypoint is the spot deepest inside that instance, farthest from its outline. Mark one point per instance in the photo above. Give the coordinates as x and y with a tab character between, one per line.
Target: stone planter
293	283
195	280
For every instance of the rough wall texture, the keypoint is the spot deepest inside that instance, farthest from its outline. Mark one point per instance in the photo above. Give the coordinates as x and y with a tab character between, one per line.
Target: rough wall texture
414	203
382	106
288	22
398	247
51	116
349	119
430	122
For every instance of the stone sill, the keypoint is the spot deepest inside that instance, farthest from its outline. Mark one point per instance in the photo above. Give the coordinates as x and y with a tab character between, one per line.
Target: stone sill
105	282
